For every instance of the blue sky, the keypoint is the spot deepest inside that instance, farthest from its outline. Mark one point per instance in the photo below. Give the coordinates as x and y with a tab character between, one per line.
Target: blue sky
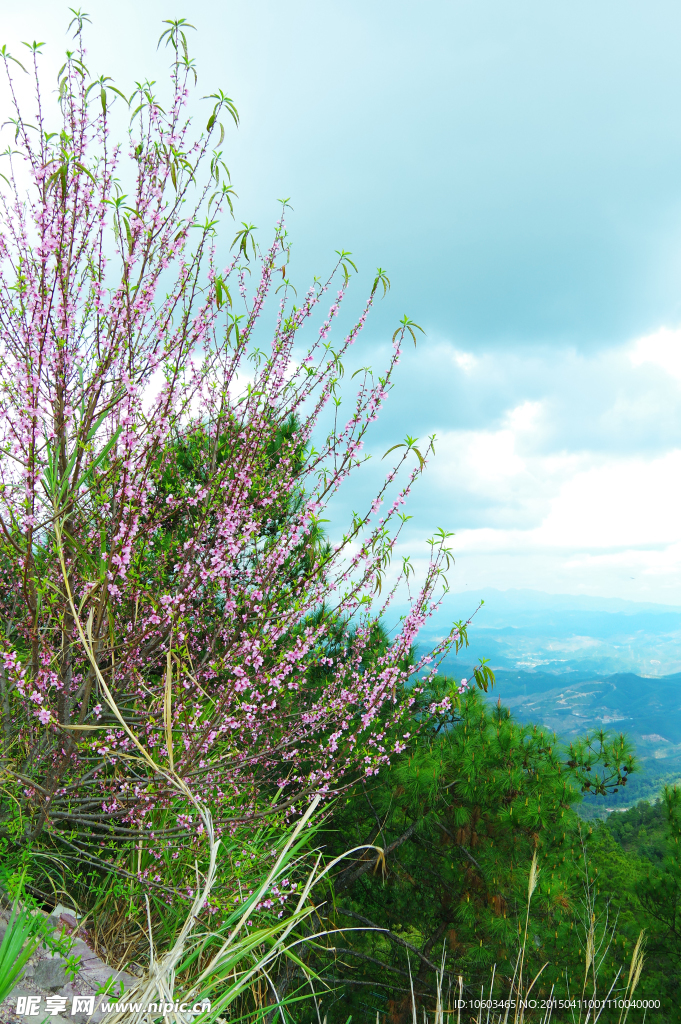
517	170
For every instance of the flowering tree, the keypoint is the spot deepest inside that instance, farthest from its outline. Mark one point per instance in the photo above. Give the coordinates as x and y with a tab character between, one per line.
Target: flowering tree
166	597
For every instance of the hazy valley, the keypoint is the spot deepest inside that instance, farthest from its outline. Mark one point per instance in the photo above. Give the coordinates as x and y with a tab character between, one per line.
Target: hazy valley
579	663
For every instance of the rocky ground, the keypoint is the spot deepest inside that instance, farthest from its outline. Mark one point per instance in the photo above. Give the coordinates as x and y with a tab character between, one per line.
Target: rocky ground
45	976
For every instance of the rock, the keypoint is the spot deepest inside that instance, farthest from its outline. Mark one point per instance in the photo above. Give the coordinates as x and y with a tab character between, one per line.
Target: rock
43	1014
50	974
45	973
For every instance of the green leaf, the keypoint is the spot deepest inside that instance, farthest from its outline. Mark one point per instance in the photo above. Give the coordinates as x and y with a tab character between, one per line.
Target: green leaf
383	279
79	19
222	293
224	101
81	167
242	237
175	32
6	55
93	430
102	455
119	93
22	937
393	449
344	262
408	325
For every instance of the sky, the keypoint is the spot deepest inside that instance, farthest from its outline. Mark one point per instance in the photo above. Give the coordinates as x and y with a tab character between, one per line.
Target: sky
516	169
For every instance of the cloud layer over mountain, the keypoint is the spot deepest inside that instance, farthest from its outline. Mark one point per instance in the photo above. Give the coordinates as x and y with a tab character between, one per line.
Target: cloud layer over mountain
517	170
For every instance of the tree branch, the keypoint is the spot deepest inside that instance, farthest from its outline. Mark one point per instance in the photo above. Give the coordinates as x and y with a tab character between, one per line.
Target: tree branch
386	931
348	876
459	846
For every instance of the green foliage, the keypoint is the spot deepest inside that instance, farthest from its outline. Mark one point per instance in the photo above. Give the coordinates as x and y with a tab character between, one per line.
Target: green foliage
639	869
642	830
23	935
460	816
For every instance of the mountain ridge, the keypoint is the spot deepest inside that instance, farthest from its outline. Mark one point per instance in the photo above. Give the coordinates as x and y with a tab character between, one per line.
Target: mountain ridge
646	709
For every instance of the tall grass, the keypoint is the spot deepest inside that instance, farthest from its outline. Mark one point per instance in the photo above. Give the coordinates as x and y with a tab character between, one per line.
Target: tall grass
237	958
24	933
240	959
236	966
514	1007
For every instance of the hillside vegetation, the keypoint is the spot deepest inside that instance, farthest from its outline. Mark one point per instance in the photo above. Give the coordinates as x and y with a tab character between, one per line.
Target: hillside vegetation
223	752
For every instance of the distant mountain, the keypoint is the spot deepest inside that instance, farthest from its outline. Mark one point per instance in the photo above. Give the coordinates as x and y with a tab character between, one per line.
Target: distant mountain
647	710
564	633
508	601
575	663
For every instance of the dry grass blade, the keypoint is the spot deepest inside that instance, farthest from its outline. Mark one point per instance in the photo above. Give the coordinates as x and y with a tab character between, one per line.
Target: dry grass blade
597	936
159	983
531	886
637	959
534	877
244	955
168	710
413	1000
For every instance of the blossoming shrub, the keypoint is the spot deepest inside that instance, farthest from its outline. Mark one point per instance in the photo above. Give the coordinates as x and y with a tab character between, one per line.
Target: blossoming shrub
166	597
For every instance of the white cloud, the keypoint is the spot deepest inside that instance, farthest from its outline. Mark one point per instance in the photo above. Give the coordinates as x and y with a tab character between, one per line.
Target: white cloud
500	468
662	348
569	486
557	470
618	502
466	361
622	504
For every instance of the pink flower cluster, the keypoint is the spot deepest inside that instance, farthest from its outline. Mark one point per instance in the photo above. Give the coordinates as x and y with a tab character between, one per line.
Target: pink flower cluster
162	580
